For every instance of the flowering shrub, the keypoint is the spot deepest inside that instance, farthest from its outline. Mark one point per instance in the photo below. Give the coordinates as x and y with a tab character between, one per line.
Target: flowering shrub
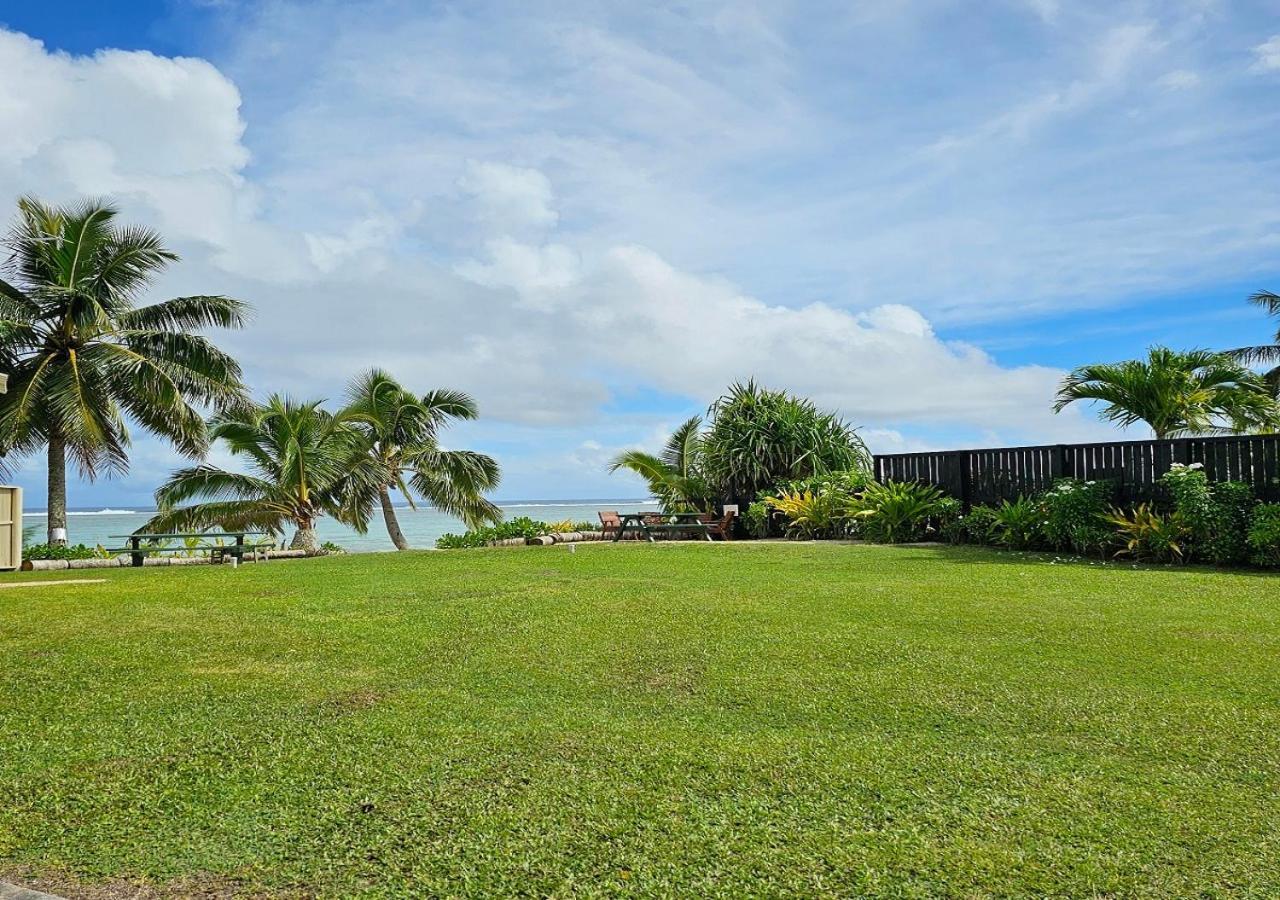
1264	535
1216	516
1073	516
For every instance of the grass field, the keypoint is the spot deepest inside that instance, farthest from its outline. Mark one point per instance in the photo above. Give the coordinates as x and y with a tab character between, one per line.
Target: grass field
653	720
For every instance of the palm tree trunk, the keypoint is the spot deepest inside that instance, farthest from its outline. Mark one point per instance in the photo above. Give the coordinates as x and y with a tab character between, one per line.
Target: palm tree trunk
305	537
57	503
393	524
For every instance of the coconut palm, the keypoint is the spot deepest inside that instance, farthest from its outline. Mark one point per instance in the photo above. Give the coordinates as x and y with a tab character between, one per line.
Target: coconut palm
400	432
303	463
1263	354
673	476
1176	393
83	357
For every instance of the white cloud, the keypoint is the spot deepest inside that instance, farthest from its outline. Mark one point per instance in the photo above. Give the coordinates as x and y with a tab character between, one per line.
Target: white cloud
1267	55
553	206
510	197
1178	80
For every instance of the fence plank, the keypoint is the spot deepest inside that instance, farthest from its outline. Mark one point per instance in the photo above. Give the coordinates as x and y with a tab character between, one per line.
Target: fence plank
993	474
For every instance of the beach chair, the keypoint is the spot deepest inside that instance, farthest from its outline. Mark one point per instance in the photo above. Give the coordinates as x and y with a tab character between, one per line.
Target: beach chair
719	526
610	523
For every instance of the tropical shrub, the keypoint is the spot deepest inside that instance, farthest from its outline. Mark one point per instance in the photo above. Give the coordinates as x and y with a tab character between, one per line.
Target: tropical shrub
848	483
1074	516
756	519
1017	524
59	551
977	526
520	527
757	439
329	548
567	525
1146	534
1264	535
1216	515
895	511
812	515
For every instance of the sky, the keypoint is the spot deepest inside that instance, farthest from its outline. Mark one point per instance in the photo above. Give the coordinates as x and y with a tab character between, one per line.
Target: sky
595	216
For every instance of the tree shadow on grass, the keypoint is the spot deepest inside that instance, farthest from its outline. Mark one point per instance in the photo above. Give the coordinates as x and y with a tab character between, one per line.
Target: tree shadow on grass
969	554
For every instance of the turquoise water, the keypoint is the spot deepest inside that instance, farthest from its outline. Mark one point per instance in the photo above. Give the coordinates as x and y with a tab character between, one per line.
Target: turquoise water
421	527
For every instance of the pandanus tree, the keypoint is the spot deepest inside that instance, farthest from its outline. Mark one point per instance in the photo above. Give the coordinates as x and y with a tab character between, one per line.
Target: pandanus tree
673	476
302	463
84	358
758	438
401	438
1176	393
1264	354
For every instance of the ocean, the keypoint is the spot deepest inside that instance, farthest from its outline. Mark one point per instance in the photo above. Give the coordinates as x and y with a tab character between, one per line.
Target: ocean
421	527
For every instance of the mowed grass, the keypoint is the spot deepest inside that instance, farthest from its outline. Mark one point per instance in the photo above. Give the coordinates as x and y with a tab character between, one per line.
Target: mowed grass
807	719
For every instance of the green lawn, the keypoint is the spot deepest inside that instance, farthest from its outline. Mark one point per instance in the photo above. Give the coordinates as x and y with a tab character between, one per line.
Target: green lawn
653	720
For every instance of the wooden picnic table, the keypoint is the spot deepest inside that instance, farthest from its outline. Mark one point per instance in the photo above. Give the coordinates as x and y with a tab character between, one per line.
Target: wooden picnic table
137	552
677	522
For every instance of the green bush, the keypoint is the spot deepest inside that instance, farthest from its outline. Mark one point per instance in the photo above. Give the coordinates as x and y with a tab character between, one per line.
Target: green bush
896	511
522	526
57	551
756	519
1017	524
1073	516
812	516
1216	516
1147	534
1264	535
973	527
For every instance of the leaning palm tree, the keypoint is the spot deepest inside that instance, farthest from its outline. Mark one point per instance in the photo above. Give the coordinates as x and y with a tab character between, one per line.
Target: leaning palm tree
673	476
83	357
1264	354
400	431
1176	393
303	463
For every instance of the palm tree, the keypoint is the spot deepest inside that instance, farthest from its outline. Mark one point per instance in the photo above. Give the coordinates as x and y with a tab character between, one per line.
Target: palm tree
1263	354
83	357
400	432
303	463
673	476
1176	393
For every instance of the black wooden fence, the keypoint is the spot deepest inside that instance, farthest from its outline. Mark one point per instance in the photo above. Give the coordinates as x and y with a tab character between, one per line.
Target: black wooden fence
989	476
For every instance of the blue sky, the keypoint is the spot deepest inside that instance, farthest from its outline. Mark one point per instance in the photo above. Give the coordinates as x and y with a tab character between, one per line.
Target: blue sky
594	216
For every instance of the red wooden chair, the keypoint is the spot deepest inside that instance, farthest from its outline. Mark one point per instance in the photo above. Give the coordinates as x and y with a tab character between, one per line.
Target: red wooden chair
610	523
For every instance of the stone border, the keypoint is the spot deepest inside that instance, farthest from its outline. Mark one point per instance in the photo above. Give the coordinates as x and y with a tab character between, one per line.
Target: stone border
9	891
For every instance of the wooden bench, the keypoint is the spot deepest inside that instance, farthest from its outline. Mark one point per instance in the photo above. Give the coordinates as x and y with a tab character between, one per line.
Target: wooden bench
648	524
138	551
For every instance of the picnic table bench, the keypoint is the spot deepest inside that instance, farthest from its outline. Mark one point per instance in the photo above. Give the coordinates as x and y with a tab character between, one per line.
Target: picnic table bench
236	550
667	523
